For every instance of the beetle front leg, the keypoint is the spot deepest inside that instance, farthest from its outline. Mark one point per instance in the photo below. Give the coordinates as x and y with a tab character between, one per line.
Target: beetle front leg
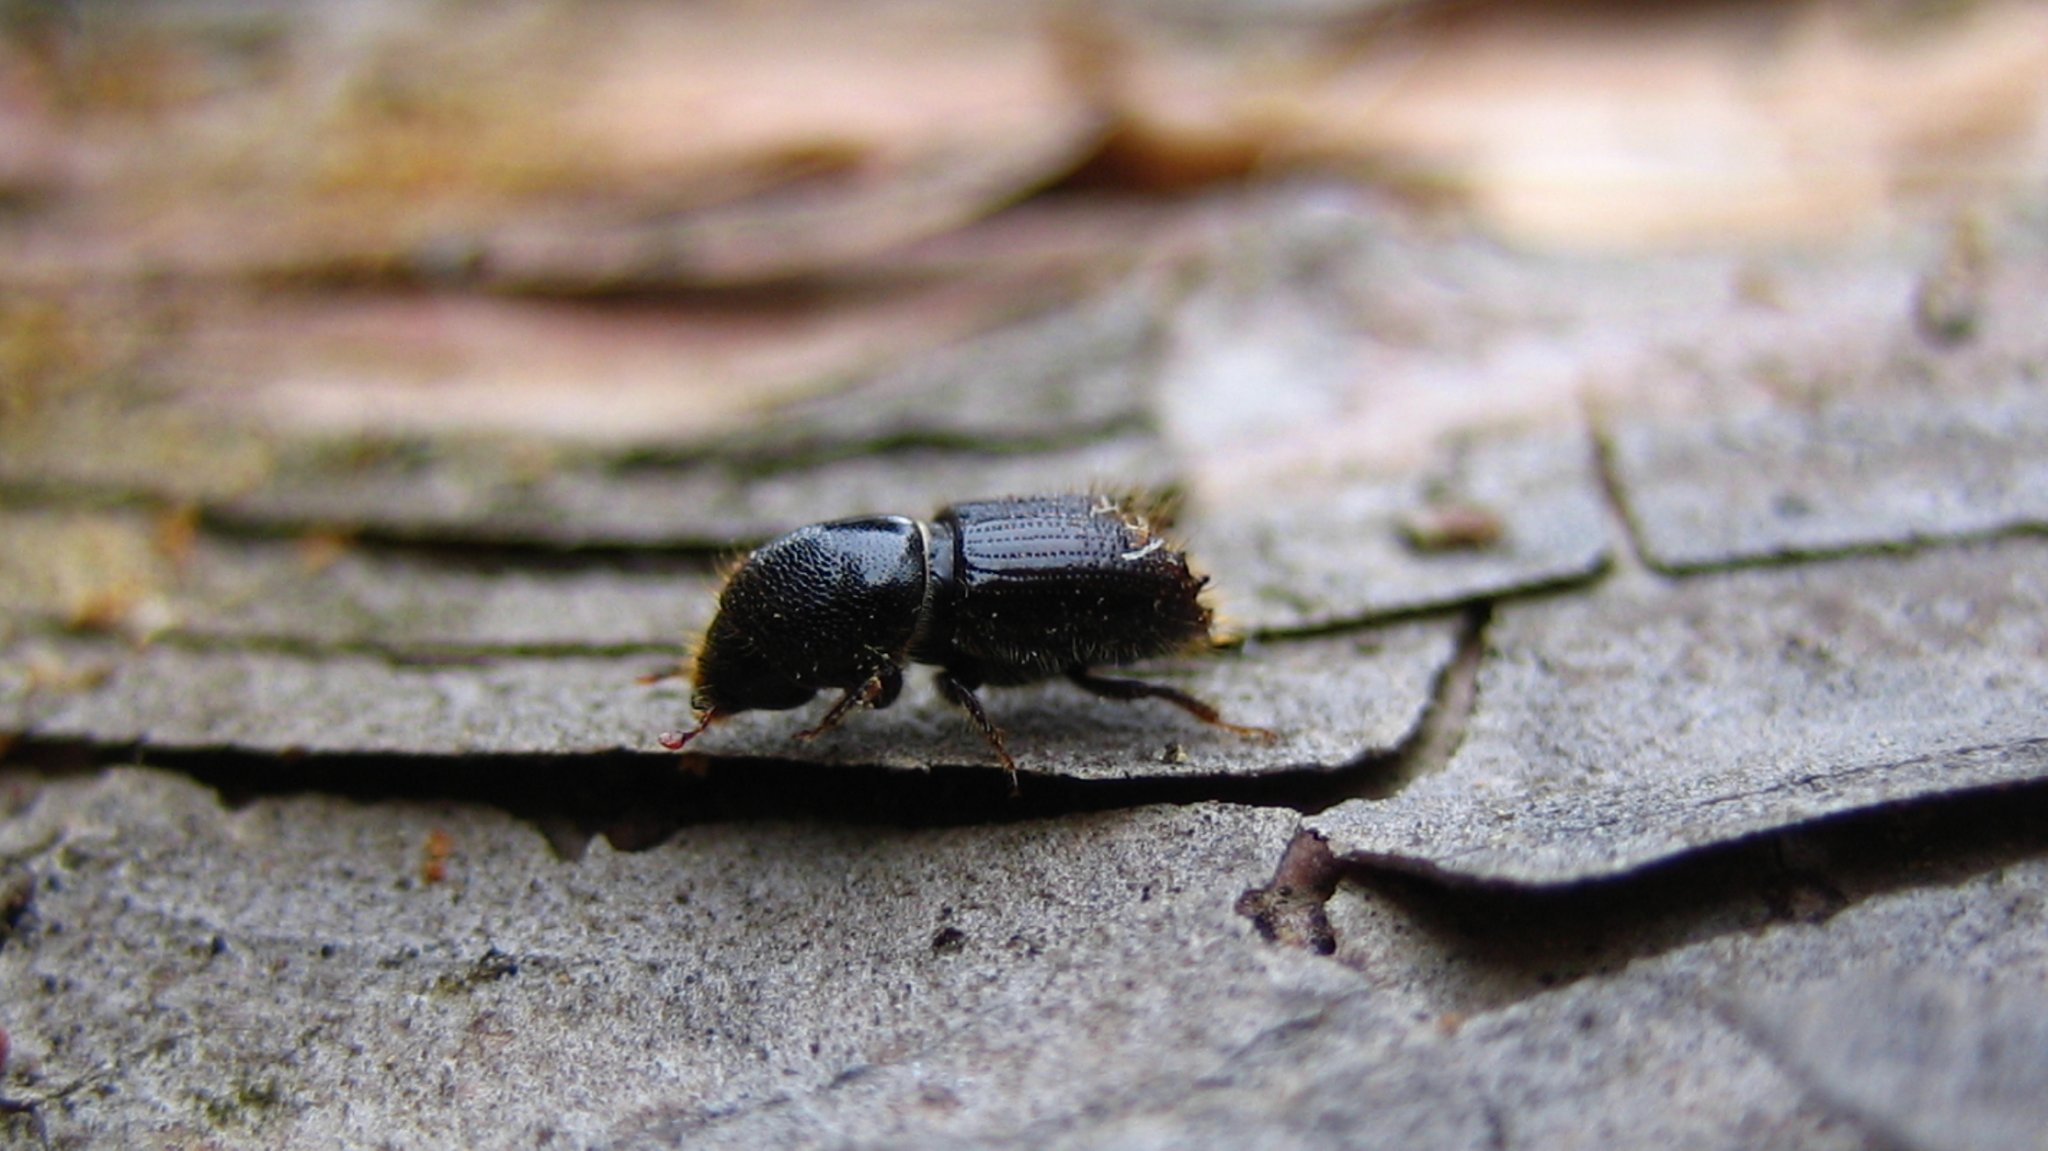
878	692
677	740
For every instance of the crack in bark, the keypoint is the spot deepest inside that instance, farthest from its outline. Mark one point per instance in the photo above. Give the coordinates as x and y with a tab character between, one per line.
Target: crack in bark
1637	554
1614	493
1515	941
637	800
1291	909
1445	719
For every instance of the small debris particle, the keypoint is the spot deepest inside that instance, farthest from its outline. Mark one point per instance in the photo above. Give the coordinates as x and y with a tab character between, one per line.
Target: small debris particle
1791	506
177	533
1804	900
434	861
17	899
948	940
490	967
680	670
48	671
32	1108
1759	287
1289	910
319	551
1948	302
493	965
1173	753
1452	527
101	612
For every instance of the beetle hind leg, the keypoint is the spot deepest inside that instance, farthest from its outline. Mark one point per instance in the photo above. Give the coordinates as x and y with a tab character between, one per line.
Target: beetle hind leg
959	691
1132	689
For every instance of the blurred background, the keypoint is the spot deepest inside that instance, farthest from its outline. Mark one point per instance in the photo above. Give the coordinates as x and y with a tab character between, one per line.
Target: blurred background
252	244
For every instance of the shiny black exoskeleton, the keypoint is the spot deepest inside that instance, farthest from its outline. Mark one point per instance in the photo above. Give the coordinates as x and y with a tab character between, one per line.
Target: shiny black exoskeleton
997	592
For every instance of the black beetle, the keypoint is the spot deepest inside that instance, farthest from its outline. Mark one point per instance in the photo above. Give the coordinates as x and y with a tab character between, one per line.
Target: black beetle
996	592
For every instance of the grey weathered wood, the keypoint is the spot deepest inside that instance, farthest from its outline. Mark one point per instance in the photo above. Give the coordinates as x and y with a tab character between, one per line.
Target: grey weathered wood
1928	1059
1339	553
1646	719
1871	473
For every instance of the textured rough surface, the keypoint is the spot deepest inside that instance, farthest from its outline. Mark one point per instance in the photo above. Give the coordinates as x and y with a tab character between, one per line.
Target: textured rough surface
1776	483
314	971
714	504
326	593
1067	375
1348	552
1647	1053
797	985
1649	718
1927	1061
172	697
1629	1065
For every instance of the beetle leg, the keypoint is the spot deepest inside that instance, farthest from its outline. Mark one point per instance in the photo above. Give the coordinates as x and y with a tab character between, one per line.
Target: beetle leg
1130	689
835	717
956	689
879	691
679	671
676	740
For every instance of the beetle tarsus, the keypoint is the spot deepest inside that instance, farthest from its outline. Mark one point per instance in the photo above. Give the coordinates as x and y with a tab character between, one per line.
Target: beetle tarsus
1132	689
